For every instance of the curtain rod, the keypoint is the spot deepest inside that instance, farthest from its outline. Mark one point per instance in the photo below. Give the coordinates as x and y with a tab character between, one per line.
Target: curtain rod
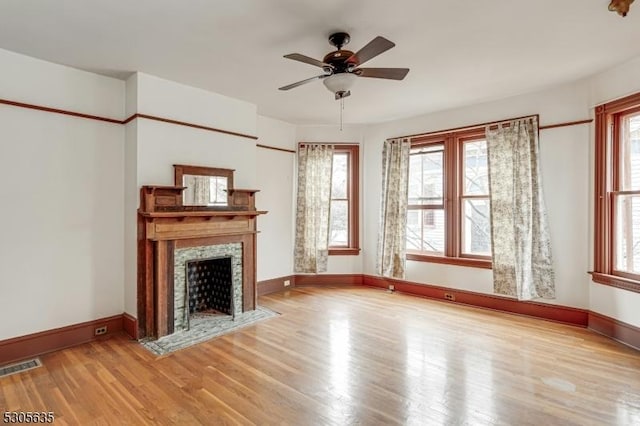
495	123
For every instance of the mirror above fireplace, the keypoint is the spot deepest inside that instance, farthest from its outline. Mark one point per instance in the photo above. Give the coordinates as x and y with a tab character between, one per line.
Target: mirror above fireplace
204	186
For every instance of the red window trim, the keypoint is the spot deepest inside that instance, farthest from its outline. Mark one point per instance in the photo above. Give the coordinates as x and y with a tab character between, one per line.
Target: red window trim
353	196
606	183
453	198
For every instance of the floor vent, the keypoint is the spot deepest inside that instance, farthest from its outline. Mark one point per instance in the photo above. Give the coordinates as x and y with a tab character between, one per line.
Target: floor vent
19	367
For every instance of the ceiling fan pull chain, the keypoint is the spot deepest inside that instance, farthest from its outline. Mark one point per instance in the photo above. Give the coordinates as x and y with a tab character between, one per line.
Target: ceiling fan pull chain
341	110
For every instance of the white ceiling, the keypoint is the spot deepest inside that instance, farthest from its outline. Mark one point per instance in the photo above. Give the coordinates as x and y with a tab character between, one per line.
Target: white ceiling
460	52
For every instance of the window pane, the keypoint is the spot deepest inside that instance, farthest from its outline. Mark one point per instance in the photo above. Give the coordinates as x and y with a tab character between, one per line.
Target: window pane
425	230
630	177
426	175
476	232
339	224
627	251
339	178
476	172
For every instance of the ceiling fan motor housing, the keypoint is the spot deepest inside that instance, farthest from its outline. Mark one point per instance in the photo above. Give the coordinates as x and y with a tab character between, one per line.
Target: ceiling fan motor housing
338	60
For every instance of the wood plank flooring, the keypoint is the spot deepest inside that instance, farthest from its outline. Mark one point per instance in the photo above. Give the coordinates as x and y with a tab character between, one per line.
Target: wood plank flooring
339	356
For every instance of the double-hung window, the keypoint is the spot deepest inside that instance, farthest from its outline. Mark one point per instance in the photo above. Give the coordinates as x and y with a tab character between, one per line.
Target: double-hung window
448	217
617	194
343	223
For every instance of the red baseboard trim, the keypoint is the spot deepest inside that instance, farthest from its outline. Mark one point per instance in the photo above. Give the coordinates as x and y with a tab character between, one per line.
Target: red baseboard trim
563	314
275	285
130	325
43	342
329	280
617	330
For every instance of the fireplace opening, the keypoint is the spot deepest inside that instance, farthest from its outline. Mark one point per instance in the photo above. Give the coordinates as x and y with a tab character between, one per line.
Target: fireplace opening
209	286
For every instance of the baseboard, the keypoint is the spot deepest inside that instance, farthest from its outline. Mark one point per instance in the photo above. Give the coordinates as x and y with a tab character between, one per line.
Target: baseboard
43	342
275	284
329	280
617	330
564	314
130	325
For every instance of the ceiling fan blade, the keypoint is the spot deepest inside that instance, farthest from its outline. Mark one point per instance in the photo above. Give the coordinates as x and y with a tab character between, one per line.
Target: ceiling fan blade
375	47
388	73
300	83
307	60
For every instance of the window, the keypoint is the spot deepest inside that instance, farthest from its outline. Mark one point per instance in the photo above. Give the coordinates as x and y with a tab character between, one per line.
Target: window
617	196
448	218
343	223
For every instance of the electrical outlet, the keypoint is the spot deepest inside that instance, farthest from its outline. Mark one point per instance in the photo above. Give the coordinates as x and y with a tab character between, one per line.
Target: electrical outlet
392	287
287	283
450	296
100	330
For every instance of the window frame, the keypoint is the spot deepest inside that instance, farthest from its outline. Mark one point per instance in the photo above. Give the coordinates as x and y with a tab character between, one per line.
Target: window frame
353	200
607	184
453	174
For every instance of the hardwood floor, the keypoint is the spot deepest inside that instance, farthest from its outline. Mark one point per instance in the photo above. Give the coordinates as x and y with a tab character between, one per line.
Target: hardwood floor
347	356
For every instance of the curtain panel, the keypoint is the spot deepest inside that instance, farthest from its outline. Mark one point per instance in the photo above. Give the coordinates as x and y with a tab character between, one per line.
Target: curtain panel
522	262
315	163
392	245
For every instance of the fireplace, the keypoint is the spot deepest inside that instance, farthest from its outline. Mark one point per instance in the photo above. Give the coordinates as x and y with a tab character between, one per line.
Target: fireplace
207	280
209	286
173	238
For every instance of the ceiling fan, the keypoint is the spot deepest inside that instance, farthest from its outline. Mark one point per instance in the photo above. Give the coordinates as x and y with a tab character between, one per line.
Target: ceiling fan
341	67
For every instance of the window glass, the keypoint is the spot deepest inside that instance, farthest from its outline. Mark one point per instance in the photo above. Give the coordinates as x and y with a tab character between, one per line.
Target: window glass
426	230
630	150
339	180
339	223
426	175
476	171
476	232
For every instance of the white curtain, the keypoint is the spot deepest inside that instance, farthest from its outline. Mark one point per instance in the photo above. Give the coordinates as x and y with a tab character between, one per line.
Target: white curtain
392	245
315	162
522	263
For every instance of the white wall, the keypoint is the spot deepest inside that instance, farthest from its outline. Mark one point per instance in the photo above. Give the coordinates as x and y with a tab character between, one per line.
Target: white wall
61	246
565	174
333	134
158	146
274	176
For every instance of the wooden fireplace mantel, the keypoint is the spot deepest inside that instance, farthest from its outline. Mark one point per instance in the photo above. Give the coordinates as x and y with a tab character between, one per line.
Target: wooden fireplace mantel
164	225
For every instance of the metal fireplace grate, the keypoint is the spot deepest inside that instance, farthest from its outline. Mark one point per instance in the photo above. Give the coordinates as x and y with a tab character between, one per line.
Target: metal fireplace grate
19	367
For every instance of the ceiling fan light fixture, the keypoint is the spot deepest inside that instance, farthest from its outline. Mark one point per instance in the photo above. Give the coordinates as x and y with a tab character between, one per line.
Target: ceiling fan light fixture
341	82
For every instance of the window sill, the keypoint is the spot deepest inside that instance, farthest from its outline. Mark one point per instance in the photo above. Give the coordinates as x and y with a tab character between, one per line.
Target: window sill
615	281
344	251
459	261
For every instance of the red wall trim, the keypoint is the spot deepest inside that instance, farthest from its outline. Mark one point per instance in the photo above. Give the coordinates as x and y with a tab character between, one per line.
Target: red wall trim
59	111
59	338
130	325
617	330
275	148
275	284
134	116
557	313
328	280
184	123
